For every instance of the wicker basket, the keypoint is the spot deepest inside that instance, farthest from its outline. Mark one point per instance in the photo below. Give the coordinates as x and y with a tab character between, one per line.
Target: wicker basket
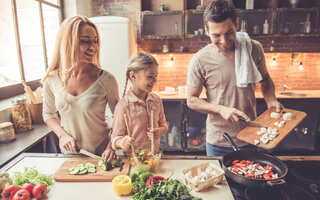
202	185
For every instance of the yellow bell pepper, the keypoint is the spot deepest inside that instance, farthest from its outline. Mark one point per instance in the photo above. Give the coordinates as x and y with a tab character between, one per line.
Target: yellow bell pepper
122	185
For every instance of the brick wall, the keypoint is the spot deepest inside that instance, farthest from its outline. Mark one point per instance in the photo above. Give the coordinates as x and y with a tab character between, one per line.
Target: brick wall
287	63
286	70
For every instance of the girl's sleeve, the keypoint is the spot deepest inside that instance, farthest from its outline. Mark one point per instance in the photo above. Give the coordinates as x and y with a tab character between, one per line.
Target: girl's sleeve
118	125
162	117
49	109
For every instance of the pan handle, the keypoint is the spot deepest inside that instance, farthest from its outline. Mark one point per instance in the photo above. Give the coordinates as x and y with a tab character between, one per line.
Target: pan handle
231	142
275	182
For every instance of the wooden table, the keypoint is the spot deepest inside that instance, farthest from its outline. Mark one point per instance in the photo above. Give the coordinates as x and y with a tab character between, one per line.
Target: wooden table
171	165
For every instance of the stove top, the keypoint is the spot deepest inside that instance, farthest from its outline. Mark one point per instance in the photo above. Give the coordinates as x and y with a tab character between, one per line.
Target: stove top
302	183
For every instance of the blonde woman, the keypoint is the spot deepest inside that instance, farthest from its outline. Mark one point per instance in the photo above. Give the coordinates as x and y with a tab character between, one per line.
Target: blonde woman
136	105
79	90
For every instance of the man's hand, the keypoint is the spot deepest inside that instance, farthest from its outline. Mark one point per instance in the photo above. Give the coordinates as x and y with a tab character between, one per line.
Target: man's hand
275	104
231	114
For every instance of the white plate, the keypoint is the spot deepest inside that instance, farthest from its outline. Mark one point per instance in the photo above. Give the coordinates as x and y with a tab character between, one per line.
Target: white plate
168	93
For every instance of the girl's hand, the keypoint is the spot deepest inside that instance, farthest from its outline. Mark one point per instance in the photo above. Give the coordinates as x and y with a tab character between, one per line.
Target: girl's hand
109	154
126	142
68	143
156	132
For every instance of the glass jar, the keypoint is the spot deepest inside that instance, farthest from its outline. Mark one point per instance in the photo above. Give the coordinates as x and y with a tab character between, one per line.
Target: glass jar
6	132
20	115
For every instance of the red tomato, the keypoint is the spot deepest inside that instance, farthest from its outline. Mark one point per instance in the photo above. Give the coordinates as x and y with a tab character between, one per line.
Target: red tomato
28	186
22	194
39	191
155	180
9	191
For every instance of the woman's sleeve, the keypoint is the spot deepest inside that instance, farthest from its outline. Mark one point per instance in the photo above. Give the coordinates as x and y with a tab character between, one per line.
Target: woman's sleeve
112	93
118	125
49	110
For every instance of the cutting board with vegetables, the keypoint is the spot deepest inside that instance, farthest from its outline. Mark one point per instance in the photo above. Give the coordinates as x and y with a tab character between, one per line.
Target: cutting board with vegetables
249	133
62	174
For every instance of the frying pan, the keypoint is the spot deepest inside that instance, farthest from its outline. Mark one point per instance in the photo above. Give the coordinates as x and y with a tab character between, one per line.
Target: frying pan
264	159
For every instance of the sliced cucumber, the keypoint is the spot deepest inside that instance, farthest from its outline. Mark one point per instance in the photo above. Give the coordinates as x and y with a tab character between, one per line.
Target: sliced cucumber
83	169
100	163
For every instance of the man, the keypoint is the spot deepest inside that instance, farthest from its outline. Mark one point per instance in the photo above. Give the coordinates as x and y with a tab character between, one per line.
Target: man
215	68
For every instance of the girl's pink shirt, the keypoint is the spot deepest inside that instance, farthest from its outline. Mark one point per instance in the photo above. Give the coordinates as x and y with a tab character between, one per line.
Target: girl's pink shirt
139	119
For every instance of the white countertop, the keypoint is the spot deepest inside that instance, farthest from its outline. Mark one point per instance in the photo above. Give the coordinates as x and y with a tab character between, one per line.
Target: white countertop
103	190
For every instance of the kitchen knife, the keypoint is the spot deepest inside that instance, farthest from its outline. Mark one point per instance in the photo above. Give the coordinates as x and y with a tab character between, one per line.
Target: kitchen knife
253	123
87	153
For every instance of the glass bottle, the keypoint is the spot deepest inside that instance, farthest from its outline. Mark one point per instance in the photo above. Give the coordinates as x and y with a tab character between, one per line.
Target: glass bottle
308	24
243	26
20	115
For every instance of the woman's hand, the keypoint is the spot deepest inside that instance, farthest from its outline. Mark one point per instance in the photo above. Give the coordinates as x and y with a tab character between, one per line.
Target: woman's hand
109	154
68	143
126	142
231	114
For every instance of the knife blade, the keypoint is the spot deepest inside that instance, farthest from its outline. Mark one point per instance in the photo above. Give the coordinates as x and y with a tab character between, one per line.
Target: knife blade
87	153
253	123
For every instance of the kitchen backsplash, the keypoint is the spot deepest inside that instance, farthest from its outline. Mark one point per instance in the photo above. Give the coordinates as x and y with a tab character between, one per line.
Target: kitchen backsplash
285	70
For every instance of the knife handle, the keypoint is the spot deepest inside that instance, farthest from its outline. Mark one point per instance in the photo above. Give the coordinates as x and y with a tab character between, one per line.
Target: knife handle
242	119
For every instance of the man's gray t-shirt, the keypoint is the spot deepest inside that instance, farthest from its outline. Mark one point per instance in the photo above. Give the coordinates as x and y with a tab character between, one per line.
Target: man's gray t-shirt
216	72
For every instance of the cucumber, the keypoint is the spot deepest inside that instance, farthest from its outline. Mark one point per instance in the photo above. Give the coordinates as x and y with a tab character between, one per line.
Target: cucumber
100	163
83	169
92	170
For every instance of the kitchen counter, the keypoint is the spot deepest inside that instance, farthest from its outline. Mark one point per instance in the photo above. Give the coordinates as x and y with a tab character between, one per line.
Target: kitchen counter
307	93
171	165
23	142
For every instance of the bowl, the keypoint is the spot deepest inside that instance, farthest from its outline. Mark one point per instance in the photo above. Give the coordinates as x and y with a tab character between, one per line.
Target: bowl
193	131
148	161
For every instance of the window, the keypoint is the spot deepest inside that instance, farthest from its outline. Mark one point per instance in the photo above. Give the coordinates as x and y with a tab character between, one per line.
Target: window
27	42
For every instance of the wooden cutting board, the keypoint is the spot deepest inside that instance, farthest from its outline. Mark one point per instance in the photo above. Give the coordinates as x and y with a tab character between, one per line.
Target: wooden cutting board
249	133
62	175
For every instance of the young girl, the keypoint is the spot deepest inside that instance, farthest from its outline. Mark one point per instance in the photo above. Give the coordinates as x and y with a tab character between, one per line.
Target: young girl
136	106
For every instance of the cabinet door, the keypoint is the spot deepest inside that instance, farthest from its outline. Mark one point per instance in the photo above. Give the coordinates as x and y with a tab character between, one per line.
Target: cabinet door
162	25
195	140
172	141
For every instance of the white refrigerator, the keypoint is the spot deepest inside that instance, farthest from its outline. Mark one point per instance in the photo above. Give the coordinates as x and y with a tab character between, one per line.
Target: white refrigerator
118	44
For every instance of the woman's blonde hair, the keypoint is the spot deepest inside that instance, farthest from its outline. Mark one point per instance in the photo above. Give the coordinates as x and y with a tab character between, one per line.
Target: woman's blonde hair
138	61
66	52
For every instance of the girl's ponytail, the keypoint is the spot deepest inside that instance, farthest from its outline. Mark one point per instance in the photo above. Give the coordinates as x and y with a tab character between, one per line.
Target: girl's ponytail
126	84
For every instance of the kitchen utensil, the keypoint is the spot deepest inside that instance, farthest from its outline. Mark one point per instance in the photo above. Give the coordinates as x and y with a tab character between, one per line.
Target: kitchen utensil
87	153
262	158
28	90
252	123
62	174
129	133
152	136
249	133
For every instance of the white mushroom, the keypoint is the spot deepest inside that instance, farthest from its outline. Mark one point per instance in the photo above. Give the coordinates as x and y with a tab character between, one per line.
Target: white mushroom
288	116
275	115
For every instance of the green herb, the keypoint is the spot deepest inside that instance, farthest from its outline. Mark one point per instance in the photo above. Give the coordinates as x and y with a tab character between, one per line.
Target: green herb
31	175
171	189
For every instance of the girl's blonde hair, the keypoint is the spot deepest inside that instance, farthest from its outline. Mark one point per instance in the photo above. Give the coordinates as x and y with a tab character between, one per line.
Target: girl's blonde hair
66	52
139	61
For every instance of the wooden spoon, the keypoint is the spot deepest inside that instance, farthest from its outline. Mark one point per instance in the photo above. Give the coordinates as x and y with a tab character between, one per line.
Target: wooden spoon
132	147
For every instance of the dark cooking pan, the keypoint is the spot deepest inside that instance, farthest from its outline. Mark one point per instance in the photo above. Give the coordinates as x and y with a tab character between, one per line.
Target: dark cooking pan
264	159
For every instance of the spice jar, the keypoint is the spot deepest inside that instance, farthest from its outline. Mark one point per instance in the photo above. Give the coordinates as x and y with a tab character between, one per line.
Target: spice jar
6	132
20	115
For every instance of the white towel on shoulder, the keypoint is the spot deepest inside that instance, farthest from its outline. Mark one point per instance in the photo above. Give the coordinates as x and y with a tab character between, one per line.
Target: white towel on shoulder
246	69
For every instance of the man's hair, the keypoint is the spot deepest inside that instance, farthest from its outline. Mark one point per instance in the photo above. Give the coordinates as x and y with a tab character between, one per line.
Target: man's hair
219	11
